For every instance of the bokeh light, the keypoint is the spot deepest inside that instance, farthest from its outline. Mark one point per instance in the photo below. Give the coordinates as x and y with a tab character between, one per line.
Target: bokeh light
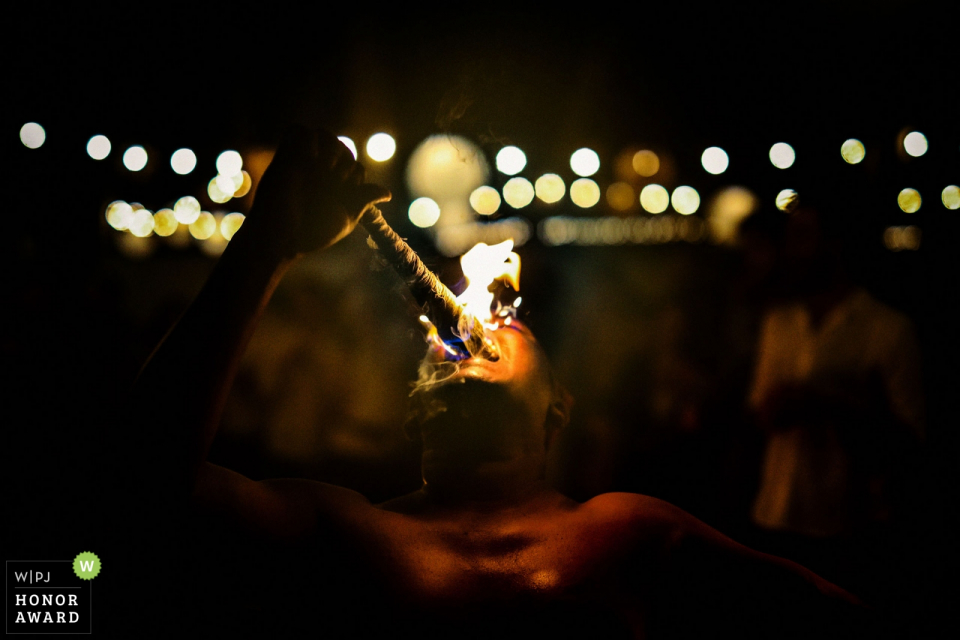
186	209
447	168
585	162
853	151
782	155
585	193
902	238
685	200
349	144
32	135
485	200
183	161
229	163
424	212
215	192
204	226
518	192
620	196
98	147
216	243
646	163
245	183
787	200
227	185
951	197
165	222
550	188
381	147
119	214
915	144
727	210
654	198
715	160
909	200
135	158
230	223
141	223
511	160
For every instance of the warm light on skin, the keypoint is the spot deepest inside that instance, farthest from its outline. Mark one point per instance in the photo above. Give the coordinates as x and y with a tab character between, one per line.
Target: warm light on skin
685	200
585	162
620	196
165	222
230	224
518	192
786	200
135	158
183	161
381	147
951	197
141	224
654	198
186	209
915	144
204	226
485	200
782	155
550	188
119	215
909	200
215	192
511	160
349	144
32	135
229	163
98	147
424	212
853	151
715	160
585	193
646	163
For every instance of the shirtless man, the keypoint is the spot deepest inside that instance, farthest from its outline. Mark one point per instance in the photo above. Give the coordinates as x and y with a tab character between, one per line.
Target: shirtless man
485	546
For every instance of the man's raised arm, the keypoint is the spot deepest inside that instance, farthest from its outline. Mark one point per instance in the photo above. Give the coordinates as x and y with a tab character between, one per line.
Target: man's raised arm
311	196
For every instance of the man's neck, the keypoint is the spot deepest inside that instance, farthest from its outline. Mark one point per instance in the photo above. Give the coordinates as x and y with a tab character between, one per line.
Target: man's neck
491	489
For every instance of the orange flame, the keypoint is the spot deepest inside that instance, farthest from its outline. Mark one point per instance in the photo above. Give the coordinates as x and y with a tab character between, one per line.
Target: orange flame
482	266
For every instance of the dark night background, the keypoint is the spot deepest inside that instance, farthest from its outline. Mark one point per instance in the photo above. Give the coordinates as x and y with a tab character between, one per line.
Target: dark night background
80	317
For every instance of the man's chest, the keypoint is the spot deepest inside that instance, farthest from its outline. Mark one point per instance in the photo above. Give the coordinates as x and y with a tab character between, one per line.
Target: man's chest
449	563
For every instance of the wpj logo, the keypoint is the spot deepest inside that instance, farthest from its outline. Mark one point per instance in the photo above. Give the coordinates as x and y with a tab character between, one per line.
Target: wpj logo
51	596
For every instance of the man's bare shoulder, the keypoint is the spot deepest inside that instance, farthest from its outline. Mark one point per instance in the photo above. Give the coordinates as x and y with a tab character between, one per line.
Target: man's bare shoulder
284	508
638	514
634	505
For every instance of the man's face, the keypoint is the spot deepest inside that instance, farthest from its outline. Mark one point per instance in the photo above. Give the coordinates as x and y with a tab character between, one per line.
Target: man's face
492	410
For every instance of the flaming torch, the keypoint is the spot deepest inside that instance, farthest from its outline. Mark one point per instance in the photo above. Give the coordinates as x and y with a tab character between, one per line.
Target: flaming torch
458	322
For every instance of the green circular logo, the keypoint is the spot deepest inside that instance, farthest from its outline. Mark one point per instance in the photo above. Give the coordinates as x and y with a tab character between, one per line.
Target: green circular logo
86	565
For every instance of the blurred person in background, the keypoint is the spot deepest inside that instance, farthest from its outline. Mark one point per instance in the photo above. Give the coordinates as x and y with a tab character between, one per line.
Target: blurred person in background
837	394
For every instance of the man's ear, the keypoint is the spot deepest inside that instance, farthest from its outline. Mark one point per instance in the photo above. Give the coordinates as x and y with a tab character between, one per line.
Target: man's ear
558	415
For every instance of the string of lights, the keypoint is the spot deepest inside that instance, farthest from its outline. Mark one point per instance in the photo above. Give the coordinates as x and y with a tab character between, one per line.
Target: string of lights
214	229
